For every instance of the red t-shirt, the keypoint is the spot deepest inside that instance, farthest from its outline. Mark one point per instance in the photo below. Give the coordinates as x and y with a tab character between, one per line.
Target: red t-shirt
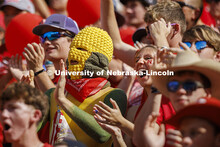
166	110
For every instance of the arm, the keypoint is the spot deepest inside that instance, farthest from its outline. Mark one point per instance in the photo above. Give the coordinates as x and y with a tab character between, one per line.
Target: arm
151	138
84	120
122	50
34	54
127	81
152	104
42	8
113	117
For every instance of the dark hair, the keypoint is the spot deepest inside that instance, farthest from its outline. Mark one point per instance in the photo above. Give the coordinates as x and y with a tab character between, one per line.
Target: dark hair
205	80
30	96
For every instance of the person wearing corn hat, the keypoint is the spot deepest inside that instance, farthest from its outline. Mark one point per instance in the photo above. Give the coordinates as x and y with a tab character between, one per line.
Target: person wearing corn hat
71	113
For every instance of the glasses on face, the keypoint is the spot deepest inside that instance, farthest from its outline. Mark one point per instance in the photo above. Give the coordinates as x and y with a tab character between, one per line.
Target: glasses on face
182	4
199	44
188	85
53	35
148	30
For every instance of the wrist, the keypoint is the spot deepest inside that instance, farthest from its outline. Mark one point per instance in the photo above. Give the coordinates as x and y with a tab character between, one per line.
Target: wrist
154	90
38	72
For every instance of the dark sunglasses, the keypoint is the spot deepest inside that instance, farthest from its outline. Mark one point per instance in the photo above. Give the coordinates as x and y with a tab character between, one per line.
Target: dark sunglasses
199	45
182	4
53	35
188	85
148	30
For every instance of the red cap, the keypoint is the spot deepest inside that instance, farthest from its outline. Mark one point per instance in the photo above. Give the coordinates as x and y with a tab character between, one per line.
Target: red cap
205	108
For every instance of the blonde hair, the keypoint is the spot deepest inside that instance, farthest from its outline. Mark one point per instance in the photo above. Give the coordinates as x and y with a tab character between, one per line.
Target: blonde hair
203	33
170	11
154	47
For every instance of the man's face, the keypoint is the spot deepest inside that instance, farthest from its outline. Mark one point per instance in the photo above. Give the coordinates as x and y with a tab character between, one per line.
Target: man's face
9	13
15	118
181	97
207	52
134	13
56	49
189	12
197	132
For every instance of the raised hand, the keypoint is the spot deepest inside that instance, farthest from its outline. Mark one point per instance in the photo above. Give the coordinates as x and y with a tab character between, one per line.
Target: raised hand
108	115
59	91
153	139
34	54
138	45
29	79
17	68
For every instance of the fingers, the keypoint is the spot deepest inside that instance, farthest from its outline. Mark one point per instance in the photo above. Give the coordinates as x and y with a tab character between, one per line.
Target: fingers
31	74
37	48
174	137
114	104
162	130
139	45
151	119
32	48
41	49
62	80
101	110
106	107
20	63
184	46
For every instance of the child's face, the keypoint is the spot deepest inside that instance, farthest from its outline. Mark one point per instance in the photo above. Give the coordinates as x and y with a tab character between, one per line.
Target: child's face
197	132
16	119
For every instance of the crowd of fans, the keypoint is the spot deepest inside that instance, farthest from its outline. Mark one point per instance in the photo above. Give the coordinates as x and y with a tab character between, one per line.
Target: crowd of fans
59	92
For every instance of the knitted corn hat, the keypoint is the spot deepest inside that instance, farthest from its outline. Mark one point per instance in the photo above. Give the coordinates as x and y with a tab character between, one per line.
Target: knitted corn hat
90	42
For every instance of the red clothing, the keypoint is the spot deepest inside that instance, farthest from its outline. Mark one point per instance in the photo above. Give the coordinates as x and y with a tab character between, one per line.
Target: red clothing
206	17
166	110
126	34
47	145
135	95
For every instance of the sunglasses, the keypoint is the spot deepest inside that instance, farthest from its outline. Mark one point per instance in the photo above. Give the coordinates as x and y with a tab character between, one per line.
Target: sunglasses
53	35
188	85
199	45
148	30
182	4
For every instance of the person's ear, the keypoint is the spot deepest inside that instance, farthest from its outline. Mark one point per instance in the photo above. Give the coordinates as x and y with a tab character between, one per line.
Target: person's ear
196	14
36	115
217	56
175	29
208	92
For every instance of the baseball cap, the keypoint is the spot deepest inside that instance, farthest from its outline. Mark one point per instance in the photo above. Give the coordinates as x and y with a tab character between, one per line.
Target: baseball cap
138	34
26	5
204	108
145	2
58	21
